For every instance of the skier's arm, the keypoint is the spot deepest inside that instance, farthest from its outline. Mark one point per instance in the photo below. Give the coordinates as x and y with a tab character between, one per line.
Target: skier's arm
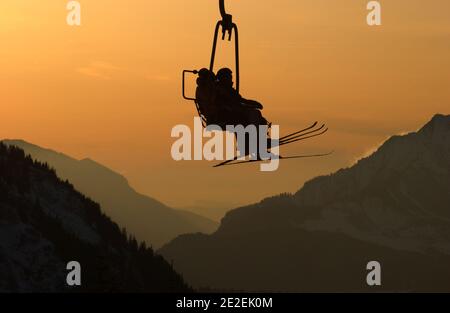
251	103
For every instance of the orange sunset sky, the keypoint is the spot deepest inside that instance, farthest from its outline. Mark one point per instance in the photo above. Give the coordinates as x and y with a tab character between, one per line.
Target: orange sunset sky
110	89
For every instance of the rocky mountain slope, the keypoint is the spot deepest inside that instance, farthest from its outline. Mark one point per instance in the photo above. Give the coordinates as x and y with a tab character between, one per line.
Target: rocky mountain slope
392	207
145	217
45	223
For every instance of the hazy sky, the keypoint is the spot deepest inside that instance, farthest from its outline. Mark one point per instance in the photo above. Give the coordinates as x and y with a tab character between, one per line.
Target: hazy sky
110	89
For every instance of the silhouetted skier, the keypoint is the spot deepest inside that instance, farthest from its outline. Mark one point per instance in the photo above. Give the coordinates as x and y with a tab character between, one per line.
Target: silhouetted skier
232	107
221	104
206	96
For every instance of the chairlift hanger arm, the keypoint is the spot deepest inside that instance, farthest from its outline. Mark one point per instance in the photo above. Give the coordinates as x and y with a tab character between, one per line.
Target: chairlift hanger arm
228	26
222	8
227	21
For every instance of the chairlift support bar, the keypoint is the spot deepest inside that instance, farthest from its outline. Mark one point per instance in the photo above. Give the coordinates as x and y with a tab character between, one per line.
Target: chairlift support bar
195	72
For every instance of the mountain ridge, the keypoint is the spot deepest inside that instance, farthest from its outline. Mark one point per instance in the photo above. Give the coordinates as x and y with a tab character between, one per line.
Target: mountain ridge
45	223
392	206
145	217
390	156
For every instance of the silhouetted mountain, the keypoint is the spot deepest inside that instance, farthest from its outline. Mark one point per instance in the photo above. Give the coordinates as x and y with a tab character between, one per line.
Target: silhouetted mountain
45	223
392	207
144	217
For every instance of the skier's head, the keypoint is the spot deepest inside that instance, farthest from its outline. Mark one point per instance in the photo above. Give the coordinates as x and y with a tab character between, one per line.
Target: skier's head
205	76
203	72
225	76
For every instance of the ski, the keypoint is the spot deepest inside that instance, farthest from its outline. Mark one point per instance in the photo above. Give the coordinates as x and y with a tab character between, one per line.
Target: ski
227	162
295	137
302	134
231	162
300	131
306	156
302	138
